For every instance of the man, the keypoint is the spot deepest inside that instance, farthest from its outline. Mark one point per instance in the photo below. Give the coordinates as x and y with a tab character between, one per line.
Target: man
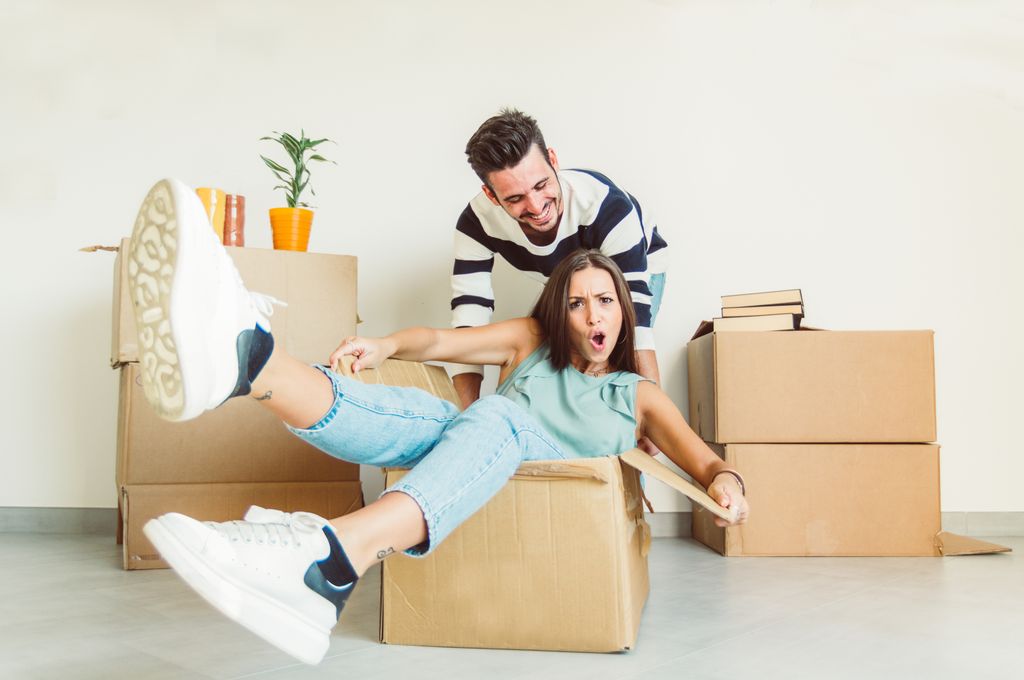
533	214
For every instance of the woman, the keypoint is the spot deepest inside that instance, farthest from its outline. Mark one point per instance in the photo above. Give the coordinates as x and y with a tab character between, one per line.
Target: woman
567	388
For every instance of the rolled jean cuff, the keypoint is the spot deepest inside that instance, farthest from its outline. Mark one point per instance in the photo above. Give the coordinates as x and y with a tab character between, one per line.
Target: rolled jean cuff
427	546
331	412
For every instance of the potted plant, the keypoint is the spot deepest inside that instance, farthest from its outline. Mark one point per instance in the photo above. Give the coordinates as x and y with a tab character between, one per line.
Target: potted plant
291	225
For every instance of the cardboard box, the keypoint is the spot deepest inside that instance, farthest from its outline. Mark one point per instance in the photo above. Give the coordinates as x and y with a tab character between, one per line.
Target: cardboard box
557	560
837	500
239	441
812	386
320	290
222	502
217	465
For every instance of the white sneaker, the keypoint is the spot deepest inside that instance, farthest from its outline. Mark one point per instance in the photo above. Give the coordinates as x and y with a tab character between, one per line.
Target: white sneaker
273	578
202	336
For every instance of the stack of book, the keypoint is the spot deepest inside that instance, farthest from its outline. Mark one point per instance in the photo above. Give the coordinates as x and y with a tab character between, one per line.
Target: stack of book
778	310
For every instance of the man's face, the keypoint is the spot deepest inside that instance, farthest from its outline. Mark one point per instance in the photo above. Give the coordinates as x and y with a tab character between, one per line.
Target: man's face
529	192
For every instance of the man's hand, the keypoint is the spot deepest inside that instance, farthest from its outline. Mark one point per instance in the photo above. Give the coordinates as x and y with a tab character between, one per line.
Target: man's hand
467	386
647	446
727	493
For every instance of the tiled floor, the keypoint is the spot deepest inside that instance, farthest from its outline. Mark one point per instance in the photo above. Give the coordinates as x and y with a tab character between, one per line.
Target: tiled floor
68	611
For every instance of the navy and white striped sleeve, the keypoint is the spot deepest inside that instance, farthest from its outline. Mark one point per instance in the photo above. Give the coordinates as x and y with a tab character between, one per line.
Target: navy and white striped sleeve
472	294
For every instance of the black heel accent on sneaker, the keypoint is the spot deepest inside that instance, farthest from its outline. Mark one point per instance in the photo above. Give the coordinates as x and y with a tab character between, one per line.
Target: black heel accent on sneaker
253	349
332	577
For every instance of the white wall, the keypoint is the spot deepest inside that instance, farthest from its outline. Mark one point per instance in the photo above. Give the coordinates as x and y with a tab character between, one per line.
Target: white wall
869	153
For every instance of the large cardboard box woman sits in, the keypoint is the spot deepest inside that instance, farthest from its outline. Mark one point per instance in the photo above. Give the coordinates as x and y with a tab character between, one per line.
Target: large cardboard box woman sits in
567	388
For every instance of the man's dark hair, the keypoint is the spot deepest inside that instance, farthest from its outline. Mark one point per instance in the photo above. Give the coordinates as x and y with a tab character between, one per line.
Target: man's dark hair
552	310
502	142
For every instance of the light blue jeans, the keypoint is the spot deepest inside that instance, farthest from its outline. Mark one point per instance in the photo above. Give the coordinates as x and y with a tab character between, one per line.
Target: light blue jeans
459	460
657	293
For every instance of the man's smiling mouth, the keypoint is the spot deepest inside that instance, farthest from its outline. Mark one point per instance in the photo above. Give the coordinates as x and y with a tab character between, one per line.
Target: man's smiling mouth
541	217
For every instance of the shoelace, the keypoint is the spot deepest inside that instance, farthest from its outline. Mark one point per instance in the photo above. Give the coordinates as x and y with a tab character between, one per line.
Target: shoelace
249	532
264	303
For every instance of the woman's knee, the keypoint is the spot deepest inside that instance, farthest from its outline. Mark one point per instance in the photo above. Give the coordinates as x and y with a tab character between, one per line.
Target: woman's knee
495	406
499	413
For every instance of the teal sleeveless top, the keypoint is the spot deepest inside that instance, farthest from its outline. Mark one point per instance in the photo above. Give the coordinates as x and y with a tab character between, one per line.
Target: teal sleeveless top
586	416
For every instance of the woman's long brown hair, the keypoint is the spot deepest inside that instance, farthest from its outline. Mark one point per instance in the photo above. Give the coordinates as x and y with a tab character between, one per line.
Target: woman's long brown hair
552	310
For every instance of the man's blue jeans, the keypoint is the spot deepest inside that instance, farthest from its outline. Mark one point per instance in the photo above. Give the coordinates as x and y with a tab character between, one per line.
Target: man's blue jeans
657	293
459	460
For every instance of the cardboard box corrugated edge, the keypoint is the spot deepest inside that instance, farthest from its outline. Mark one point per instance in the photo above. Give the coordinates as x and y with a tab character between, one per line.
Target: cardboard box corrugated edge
640	545
138	503
121	352
629	579
729	541
701	386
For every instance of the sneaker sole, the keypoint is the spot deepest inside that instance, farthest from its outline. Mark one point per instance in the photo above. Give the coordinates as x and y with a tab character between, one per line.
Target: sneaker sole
177	272
152	258
265	617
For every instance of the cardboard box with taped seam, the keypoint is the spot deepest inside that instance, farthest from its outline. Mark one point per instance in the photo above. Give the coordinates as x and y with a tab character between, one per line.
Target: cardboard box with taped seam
557	560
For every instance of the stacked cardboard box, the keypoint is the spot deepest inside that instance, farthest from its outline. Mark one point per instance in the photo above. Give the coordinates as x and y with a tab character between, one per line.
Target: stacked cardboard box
557	560
833	432
216	466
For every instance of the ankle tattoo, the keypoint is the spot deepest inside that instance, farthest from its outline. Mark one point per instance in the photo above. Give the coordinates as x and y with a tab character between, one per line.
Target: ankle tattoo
265	396
381	554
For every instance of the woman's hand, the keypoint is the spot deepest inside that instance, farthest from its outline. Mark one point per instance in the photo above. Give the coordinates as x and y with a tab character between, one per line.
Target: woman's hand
368	352
727	492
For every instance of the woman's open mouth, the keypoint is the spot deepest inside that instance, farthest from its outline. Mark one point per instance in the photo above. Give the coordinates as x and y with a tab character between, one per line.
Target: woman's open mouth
597	341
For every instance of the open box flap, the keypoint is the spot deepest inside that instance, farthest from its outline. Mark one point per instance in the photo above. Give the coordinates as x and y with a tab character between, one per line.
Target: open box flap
653	468
955	544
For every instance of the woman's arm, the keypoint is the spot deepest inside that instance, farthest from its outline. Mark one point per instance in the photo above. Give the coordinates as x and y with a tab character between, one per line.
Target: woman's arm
495	344
660	420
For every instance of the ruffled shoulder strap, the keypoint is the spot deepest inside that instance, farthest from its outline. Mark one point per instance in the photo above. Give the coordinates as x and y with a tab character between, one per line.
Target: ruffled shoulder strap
619	392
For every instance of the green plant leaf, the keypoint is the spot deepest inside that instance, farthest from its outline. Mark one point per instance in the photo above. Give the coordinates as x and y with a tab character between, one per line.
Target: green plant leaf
290	143
275	166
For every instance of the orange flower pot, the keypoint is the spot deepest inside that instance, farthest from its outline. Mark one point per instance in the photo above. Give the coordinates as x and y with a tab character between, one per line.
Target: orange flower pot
291	228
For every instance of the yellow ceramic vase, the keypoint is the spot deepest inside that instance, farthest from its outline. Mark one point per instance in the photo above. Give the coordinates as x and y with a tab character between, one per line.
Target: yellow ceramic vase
213	202
291	228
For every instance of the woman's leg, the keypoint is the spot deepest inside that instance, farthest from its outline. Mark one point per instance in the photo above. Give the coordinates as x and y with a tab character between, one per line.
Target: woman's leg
295	392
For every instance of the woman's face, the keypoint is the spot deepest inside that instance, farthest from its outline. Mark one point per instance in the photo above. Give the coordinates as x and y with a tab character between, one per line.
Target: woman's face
595	317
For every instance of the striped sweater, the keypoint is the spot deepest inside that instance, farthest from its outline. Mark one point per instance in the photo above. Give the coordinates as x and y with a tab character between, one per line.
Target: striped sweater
596	214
